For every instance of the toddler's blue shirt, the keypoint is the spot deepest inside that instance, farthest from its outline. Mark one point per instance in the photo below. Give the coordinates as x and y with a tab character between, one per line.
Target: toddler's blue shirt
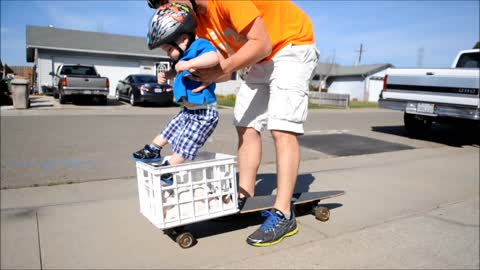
183	86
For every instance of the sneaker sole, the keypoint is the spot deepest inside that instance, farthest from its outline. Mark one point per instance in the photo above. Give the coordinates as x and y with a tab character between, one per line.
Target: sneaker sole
277	241
147	160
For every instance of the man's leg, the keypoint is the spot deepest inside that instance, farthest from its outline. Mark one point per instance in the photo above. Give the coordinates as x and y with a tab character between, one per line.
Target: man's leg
287	111
249	157
288	160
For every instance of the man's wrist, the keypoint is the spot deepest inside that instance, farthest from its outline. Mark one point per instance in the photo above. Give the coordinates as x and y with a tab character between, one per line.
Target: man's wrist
226	66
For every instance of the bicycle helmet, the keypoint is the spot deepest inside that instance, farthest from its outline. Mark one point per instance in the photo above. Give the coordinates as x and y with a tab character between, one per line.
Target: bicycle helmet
155	3
168	23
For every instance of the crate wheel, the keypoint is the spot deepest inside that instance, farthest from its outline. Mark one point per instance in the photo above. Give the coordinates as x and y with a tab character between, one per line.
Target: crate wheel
322	213
186	240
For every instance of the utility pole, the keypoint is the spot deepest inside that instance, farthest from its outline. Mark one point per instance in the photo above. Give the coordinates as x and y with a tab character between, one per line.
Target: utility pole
360	52
100	26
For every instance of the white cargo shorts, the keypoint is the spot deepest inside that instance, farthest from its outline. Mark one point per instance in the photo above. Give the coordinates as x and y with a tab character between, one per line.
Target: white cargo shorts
275	93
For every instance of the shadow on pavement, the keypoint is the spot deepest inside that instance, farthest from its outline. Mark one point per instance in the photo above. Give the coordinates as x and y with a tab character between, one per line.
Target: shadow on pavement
89	101
455	136
241	221
266	184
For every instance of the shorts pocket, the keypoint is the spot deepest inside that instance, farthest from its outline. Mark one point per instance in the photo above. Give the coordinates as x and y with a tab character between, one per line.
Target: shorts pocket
289	104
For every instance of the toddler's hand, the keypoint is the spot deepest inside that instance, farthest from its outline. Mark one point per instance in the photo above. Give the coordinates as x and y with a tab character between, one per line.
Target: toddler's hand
162	78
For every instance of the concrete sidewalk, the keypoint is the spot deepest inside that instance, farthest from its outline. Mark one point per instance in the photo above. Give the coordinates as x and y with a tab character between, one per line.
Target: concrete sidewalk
407	209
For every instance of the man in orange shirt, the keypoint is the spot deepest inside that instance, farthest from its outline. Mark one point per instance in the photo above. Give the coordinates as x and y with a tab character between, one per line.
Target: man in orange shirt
274	41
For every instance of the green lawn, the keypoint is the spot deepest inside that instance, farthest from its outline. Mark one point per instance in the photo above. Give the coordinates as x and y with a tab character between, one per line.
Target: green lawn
229	101
363	104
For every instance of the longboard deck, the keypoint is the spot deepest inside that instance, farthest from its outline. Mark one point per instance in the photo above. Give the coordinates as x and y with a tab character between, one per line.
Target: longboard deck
259	203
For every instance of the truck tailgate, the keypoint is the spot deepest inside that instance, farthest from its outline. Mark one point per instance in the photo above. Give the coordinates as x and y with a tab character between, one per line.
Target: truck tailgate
448	86
86	83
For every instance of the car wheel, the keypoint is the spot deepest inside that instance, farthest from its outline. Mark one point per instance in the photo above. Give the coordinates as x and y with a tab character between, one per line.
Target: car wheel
133	102
117	95
61	98
417	126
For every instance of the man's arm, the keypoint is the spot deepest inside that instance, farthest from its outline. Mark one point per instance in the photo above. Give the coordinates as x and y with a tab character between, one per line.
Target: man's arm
258	47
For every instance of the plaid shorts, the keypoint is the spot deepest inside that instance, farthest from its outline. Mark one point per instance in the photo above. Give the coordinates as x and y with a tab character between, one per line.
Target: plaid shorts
188	131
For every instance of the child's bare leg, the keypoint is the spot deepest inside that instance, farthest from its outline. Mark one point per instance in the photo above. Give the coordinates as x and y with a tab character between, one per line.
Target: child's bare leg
176	159
160	141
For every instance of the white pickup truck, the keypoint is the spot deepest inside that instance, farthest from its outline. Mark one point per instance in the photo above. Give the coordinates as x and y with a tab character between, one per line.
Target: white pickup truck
435	95
73	81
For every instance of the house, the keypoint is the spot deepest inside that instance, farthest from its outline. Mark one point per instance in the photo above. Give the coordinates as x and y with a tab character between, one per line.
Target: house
363	82
114	56
5	70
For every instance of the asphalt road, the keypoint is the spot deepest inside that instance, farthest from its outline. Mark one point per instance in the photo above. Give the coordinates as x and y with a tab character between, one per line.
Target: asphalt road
413	204
58	144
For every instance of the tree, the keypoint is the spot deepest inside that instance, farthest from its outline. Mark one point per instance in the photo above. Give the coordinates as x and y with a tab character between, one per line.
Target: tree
477	46
329	70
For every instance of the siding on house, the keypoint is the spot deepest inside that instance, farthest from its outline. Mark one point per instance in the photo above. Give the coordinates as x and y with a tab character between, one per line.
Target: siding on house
114	56
362	83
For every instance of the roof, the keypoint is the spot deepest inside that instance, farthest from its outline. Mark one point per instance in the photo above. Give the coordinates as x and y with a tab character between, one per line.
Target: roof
334	70
83	41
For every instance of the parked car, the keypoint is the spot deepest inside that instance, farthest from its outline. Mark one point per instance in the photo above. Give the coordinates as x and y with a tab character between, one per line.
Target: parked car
435	95
143	88
79	81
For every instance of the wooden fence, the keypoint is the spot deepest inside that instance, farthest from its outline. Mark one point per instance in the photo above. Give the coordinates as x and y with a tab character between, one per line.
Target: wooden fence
339	100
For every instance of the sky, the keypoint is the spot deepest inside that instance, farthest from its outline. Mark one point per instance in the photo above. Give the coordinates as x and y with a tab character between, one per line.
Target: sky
402	33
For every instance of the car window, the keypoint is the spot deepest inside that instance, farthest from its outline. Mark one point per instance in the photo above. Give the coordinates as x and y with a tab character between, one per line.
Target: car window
145	79
78	71
469	60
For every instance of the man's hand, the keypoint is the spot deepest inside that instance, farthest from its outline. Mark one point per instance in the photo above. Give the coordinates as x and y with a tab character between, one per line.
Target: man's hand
206	76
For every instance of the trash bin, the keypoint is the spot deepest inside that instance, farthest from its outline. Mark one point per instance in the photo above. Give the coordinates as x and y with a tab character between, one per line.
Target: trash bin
20	93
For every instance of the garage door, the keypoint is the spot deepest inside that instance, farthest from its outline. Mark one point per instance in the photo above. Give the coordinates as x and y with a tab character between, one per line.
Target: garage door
375	86
113	69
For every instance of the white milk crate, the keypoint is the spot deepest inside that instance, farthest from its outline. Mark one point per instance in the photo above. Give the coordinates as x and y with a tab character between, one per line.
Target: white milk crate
203	189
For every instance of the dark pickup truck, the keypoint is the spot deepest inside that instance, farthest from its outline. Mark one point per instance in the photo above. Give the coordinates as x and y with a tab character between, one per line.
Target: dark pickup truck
73	81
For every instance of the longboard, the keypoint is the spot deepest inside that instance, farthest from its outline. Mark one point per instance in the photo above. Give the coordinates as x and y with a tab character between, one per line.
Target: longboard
259	203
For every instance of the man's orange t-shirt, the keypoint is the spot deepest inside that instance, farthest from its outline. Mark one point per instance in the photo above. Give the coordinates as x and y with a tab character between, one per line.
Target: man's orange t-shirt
225	20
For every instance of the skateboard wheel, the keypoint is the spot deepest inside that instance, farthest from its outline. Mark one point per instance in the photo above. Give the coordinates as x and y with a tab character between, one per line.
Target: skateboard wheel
186	240
322	213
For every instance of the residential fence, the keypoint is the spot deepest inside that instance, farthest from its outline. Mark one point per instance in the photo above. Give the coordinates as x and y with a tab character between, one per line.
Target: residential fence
339	100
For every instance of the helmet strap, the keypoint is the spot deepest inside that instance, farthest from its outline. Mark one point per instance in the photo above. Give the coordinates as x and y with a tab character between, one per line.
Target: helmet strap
191	39
178	48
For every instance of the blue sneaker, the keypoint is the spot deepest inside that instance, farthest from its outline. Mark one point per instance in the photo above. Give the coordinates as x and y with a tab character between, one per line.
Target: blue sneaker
167	178
148	154
275	228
